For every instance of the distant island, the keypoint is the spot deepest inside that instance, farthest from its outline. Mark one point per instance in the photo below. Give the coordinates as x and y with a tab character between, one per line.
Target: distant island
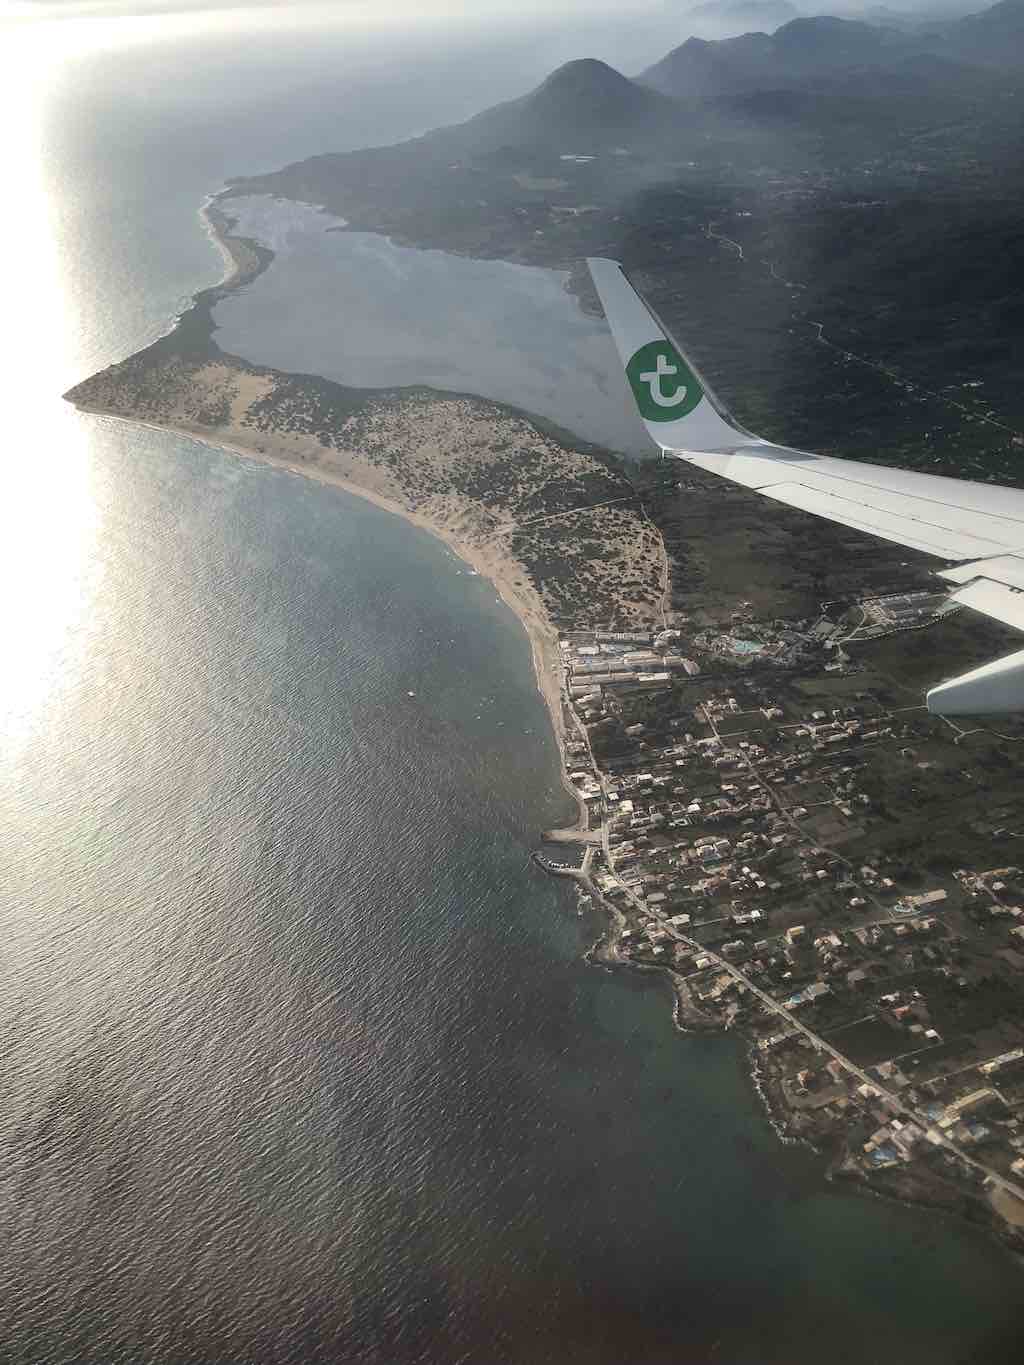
768	818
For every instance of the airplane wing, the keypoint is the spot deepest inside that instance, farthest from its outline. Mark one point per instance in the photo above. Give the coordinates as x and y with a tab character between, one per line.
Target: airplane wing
978	529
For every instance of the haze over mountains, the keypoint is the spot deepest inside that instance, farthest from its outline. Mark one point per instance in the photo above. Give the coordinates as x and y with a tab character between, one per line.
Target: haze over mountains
818	92
731	18
813	53
582	99
836	175
727	18
815	92
546	178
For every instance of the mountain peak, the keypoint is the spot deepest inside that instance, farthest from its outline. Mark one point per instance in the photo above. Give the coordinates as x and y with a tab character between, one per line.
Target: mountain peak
590	95
806	53
592	66
828	39
583	104
585	75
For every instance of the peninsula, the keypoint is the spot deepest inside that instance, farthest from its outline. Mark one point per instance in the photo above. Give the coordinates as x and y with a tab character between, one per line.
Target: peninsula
556	524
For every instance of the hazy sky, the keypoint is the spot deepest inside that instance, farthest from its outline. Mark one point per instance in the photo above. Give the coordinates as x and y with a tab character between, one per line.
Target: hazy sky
408	9
474	10
629	34
612	24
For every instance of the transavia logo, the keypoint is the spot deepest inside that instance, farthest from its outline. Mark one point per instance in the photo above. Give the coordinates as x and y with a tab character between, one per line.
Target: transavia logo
663	384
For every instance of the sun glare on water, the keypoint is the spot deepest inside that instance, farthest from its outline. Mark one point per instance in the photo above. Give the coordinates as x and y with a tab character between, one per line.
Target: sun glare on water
48	518
54	497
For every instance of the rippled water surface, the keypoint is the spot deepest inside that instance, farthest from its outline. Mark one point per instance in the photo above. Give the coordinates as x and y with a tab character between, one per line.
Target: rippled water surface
301	1061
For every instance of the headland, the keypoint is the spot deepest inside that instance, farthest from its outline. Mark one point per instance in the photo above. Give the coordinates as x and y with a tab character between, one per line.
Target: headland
556	524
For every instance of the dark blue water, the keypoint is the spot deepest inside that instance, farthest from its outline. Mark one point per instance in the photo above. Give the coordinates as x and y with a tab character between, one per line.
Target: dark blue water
301	1061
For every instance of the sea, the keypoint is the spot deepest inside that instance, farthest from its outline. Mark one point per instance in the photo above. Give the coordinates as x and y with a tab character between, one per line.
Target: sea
302	1058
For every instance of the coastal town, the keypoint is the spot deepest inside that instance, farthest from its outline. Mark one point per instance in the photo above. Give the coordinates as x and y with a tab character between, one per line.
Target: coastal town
762	824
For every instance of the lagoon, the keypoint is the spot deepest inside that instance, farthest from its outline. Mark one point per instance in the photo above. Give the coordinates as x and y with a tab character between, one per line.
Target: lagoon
359	309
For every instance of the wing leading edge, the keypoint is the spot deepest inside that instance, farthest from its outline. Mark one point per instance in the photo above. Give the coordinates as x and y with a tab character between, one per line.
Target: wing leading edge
978	527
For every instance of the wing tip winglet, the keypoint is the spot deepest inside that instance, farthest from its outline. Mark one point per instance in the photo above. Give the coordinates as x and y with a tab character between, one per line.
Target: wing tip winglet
674	401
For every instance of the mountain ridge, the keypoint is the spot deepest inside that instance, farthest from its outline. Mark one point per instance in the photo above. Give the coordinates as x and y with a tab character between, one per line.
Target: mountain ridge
584	98
807	51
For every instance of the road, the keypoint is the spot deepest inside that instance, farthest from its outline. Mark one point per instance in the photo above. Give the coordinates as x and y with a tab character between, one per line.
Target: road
508	526
709	231
820	1044
971	413
791	819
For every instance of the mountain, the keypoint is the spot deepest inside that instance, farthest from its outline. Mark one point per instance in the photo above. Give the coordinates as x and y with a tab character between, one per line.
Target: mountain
583	106
800	50
525	180
701	67
808	54
925	15
824	44
570	168
994	37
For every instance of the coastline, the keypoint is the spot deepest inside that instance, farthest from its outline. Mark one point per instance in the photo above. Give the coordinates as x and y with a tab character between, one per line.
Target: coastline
475	537
542	637
242	264
399	449
238	256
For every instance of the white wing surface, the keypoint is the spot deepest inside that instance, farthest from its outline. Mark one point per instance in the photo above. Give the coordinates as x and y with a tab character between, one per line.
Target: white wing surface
977	527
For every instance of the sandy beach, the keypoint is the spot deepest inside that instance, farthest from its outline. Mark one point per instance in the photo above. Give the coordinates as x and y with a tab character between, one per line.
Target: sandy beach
557	531
240	260
502	571
479	476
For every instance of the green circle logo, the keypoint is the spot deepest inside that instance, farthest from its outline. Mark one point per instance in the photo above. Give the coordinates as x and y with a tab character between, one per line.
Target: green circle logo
664	386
